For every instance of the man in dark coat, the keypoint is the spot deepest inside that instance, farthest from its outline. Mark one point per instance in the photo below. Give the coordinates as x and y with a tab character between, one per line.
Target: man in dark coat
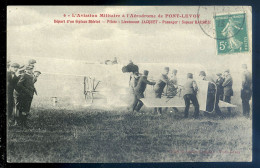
18	98
12	80
220	88
228	90
159	87
246	91
190	89
139	91
220	92
26	89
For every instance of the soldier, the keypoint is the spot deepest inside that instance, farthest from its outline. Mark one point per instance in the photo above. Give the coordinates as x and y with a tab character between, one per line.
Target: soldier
246	91
26	89
220	88
190	89
228	91
11	84
36	75
18	98
220	91
139	91
159	87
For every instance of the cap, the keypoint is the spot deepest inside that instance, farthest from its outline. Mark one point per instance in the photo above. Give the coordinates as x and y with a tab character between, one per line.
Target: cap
29	67
227	70
21	69
244	66
189	75
202	73
219	74
174	71
146	72
32	61
22	66
15	65
38	72
166	68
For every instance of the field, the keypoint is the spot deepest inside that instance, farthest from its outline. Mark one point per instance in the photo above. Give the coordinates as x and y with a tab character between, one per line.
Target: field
81	134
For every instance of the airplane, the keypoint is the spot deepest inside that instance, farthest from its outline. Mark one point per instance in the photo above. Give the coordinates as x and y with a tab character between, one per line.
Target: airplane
106	84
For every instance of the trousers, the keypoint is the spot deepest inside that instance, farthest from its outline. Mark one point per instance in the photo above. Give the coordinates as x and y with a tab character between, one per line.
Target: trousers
158	109
191	98
246	96
228	100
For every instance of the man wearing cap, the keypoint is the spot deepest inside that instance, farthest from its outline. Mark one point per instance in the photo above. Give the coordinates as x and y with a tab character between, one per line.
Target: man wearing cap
220	88
159	87
228	90
17	97
246	91
26	89
139	91
12	80
220	92
36	75
190	89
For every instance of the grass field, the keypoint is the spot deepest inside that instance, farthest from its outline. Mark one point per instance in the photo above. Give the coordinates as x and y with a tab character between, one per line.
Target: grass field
83	135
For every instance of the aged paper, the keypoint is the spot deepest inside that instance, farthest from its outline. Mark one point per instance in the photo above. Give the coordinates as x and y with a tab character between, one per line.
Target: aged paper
91	84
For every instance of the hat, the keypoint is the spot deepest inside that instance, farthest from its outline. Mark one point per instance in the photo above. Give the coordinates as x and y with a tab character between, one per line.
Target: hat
146	72
22	66
15	65
219	74
38	72
174	70
166	68
202	73
29	67
32	61
189	75
227	70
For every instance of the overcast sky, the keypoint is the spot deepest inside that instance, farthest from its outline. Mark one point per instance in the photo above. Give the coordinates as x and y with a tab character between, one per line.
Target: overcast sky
32	33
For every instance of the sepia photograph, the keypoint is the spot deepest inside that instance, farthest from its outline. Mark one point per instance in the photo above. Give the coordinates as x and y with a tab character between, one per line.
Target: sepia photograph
129	84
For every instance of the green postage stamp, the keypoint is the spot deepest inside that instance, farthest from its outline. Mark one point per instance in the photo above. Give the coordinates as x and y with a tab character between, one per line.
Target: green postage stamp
231	33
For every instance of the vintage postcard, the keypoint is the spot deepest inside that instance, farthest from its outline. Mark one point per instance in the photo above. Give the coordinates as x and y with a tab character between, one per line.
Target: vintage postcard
113	84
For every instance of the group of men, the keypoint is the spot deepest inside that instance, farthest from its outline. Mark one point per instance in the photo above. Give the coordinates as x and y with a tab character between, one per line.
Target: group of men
20	91
223	90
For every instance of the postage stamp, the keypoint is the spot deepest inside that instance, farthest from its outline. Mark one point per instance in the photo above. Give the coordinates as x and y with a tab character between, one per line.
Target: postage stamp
231	33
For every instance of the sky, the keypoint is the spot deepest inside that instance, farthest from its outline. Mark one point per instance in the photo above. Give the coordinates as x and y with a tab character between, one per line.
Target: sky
32	33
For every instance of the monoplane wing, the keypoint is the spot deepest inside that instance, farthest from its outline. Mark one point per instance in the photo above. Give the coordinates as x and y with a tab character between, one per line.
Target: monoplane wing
225	104
164	102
